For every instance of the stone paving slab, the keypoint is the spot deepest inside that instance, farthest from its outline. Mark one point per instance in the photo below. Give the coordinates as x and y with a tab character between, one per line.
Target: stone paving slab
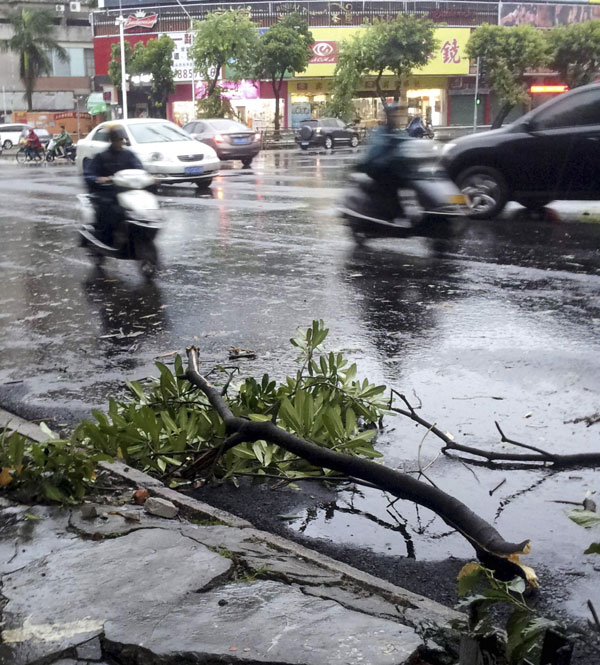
65	598
130	588
260	622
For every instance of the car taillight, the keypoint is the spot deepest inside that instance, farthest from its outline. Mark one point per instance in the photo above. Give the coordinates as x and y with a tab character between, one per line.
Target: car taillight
257	137
219	138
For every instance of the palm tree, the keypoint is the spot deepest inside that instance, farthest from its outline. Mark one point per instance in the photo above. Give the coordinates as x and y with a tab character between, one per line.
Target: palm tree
33	41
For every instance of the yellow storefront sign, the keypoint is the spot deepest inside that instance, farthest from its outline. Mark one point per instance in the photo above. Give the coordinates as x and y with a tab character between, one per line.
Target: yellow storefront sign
448	59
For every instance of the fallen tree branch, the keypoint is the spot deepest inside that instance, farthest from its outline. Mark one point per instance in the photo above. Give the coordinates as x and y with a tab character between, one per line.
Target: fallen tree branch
490	546
537	456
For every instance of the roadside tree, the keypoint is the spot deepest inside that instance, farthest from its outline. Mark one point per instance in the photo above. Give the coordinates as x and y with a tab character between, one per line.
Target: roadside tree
156	60
285	47
223	38
506	54
33	42
114	66
396	46
575	52
153	59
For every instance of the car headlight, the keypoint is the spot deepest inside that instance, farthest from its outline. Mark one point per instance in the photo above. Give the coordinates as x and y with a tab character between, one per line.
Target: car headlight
448	147
156	157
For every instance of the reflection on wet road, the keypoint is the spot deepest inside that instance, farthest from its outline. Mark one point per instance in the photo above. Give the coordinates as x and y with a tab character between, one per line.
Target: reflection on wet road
500	324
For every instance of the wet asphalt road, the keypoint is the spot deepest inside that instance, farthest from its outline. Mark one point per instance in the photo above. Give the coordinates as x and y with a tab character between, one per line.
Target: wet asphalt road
501	324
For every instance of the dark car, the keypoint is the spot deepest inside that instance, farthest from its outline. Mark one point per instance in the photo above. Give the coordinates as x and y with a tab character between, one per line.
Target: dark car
326	132
551	153
230	139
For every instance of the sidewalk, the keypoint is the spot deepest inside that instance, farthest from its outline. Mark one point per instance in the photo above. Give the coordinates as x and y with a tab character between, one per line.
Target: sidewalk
113	584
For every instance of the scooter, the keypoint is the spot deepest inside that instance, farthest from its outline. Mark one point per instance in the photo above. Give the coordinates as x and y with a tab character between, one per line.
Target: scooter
134	238
428	203
69	152
418	129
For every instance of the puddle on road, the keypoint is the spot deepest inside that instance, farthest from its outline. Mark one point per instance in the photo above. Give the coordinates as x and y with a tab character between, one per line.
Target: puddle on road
493	325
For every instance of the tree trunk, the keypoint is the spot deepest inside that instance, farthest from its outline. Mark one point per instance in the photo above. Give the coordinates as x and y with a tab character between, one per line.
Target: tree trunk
501	115
379	90
29	81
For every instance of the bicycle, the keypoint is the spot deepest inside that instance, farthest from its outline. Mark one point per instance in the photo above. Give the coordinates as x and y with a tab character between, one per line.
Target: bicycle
25	156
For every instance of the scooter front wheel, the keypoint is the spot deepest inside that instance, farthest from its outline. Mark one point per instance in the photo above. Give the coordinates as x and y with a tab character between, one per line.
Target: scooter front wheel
148	258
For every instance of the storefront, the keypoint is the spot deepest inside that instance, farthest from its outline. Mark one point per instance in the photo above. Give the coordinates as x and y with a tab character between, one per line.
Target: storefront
427	88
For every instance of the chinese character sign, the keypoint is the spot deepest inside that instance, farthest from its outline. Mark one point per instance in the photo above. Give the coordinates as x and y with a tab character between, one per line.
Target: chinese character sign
450	52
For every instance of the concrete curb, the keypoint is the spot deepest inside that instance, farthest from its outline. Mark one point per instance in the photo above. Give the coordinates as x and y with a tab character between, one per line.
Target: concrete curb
192	508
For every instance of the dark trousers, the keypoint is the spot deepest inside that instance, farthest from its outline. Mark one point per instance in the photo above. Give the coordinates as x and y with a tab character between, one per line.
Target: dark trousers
109	215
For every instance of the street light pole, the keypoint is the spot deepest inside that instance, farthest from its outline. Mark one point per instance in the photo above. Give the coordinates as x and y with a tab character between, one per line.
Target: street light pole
475	105
121	22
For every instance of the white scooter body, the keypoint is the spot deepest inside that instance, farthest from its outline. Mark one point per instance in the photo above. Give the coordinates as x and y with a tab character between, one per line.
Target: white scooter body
143	220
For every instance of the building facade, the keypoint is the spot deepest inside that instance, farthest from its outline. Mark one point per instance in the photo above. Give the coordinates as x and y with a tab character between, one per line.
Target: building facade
443	91
70	83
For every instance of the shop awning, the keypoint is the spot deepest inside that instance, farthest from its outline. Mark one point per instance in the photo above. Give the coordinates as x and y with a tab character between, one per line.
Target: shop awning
95	103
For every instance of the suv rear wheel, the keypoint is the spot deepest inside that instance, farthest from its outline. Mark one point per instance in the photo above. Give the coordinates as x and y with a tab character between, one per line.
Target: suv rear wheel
485	189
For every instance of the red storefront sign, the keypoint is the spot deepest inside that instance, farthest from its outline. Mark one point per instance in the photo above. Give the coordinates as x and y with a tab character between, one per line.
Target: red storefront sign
324	53
140	20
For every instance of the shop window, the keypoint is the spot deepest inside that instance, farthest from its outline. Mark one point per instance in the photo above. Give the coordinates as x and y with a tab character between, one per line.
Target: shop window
78	63
88	54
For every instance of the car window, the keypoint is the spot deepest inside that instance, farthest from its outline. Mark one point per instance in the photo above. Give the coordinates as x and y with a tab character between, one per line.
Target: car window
228	126
572	111
101	135
155	132
200	128
341	124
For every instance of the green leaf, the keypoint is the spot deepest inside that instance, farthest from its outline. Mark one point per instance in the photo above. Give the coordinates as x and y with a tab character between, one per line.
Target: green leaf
259	417
47	431
468	580
594	548
136	388
585	518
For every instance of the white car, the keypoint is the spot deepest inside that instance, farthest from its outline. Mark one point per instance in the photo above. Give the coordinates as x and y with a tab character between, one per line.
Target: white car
166	151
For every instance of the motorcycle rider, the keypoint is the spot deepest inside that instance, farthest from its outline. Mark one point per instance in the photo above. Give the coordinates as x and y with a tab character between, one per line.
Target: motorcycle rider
385	163
62	140
418	129
33	144
98	176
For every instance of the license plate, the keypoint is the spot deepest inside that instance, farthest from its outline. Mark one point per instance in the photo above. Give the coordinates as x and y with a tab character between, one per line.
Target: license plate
304	143
193	170
239	140
458	199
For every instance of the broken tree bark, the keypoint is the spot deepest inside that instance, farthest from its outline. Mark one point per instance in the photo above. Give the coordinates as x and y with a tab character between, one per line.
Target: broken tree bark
537	455
490	546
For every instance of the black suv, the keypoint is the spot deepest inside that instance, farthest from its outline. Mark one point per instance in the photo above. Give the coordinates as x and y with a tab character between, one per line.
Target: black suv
551	153
326	132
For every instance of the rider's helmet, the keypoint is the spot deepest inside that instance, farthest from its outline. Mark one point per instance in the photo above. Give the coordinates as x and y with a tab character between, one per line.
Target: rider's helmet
116	132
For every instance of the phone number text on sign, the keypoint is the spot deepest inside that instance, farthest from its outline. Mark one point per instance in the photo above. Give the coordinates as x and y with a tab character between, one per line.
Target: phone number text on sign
184	74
